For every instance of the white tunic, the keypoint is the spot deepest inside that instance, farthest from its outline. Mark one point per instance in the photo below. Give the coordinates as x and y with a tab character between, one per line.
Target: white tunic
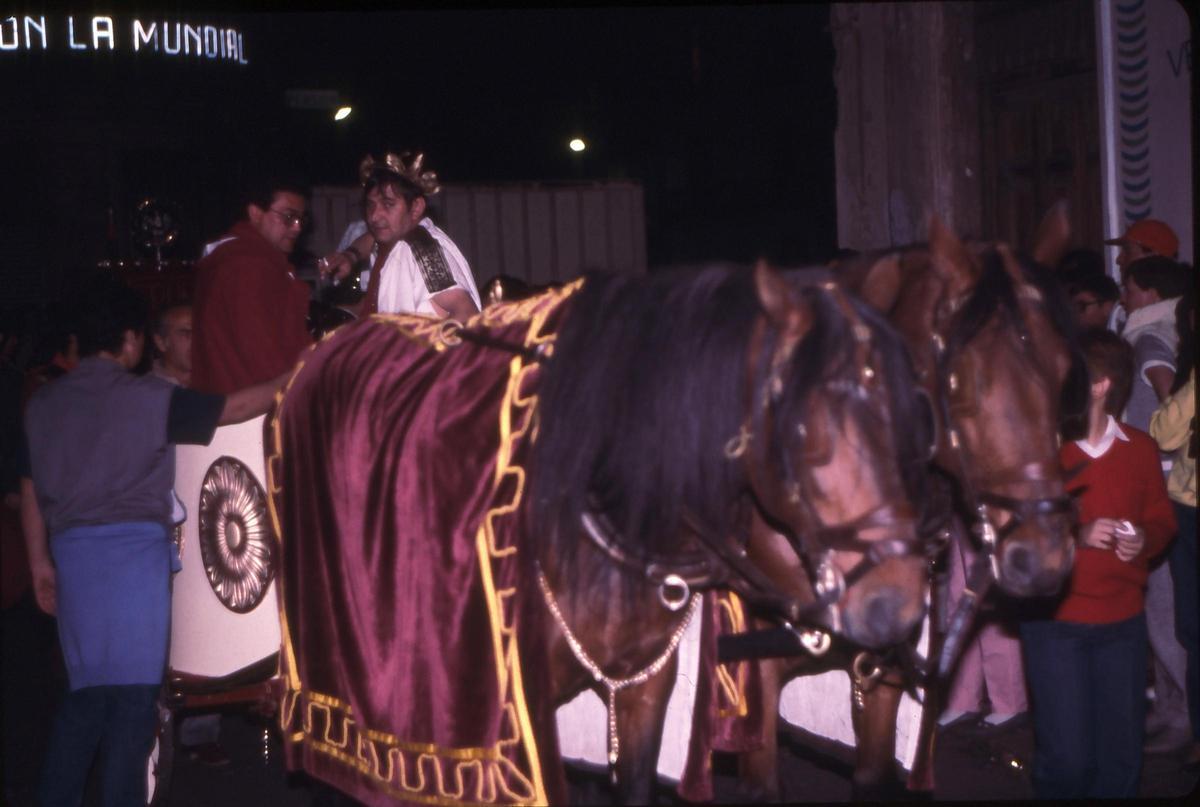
402	288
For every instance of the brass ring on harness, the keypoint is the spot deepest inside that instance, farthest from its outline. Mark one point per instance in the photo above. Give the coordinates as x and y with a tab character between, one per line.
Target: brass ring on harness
861	676
448	332
736	446
674	583
816	642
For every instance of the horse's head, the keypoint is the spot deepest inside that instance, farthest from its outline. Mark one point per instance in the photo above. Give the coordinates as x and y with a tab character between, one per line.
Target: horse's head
993	346
834	448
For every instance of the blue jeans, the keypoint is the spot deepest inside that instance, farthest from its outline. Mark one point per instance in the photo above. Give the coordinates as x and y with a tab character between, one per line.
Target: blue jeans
1182	557
1088	687
120	721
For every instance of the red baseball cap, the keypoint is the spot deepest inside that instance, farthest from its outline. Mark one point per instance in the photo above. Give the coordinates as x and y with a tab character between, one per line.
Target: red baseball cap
1150	234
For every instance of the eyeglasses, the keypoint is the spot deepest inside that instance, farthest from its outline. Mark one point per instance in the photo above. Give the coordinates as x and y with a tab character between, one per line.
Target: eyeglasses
290	218
1082	305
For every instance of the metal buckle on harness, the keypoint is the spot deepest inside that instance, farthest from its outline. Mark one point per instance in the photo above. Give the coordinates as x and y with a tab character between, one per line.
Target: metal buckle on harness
829	581
987	536
816	642
676	601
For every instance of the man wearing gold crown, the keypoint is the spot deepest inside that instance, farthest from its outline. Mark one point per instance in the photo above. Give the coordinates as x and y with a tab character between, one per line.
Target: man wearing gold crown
415	267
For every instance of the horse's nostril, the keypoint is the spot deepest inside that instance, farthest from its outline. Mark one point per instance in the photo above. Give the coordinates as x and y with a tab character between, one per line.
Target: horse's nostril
1018	562
882	619
879	614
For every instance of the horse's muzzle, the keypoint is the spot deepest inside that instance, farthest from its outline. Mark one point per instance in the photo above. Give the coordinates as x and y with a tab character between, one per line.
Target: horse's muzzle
886	613
1028	569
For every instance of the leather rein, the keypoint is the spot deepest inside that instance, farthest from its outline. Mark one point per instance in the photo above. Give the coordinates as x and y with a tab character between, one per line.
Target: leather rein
981	499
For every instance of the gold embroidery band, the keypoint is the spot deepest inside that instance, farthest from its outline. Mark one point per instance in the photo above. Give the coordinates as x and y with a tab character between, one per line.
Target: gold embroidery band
430	260
422	772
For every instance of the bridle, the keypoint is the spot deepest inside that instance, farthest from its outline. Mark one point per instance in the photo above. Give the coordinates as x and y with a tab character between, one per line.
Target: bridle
815	541
724	563
978	493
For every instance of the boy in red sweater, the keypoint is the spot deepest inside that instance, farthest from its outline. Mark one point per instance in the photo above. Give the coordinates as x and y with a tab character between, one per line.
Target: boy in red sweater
1086	667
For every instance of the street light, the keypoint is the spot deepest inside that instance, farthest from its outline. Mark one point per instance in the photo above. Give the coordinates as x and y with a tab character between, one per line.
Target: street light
342	113
577	144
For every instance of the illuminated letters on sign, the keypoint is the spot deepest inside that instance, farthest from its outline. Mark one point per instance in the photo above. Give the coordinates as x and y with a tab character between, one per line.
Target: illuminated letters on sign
106	33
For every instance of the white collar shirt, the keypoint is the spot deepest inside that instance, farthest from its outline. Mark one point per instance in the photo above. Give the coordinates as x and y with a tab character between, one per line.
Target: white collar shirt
1112	432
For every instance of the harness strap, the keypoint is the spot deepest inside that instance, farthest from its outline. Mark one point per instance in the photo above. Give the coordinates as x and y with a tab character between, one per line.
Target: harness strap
978	582
748	581
483	340
695	569
886	516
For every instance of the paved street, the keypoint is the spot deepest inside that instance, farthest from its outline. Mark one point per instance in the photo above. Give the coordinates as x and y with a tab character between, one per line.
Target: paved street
971	765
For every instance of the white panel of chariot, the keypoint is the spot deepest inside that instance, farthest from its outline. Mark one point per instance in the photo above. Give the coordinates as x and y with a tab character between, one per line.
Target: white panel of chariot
208	637
583	722
820	704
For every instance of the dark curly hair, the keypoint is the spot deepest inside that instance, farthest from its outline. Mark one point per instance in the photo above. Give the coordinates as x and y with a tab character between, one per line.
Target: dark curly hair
102	310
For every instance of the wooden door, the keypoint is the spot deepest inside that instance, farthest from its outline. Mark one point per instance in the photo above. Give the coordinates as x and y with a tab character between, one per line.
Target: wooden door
1040	118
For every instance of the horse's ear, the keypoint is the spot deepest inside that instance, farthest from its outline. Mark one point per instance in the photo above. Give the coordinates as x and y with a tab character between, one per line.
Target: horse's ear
782	305
879	284
1053	233
950	258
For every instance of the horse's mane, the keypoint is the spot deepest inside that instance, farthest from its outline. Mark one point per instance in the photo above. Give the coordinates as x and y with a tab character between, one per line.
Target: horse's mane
996	294
647	383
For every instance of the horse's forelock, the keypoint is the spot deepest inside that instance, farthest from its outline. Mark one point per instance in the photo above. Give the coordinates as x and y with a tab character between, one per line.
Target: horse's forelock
828	353
996	295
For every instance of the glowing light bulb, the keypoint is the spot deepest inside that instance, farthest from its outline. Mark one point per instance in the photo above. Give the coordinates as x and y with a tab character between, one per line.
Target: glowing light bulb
577	144
342	113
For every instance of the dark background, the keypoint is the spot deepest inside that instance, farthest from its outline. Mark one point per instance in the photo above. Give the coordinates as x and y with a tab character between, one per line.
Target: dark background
725	114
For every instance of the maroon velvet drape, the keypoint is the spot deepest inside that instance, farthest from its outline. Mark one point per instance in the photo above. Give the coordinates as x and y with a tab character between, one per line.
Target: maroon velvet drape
413	660
728	712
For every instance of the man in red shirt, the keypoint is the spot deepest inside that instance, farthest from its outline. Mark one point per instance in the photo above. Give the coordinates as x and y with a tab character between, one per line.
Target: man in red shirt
249	307
1086	667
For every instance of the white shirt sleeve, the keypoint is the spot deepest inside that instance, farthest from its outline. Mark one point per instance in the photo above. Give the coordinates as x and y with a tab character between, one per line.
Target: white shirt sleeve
456	262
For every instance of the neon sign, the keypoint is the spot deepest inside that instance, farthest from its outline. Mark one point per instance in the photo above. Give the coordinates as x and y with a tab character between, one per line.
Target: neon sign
102	33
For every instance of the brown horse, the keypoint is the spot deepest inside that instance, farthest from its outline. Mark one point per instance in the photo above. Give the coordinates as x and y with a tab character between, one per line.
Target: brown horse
992	343
678	419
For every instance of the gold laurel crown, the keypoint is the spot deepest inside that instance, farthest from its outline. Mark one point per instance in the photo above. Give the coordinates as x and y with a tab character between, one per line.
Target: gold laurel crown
402	165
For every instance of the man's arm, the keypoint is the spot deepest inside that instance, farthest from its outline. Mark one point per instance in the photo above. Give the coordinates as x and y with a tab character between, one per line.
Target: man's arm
1157	516
252	401
193	417
339	264
1171	424
1160	378
1155	362
45	584
455	303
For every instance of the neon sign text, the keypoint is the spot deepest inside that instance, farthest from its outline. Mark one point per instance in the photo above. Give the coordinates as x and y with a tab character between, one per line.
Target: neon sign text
102	33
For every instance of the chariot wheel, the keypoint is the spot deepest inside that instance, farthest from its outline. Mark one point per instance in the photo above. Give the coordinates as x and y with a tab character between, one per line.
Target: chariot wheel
161	760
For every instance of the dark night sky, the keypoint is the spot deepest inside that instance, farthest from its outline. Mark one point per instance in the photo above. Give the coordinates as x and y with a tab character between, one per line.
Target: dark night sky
724	114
